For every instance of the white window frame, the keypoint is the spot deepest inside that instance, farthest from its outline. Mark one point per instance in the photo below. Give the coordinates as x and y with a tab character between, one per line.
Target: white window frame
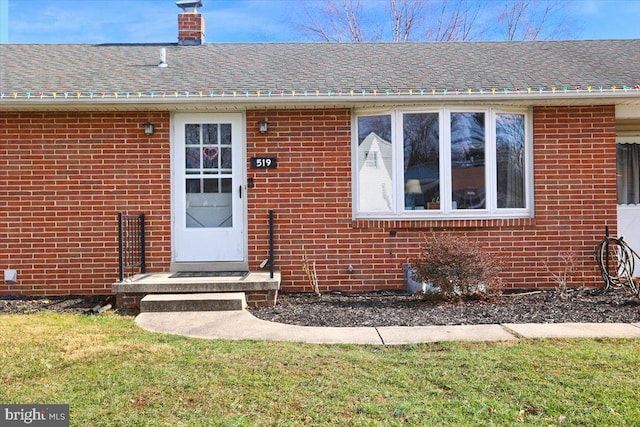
627	140
491	211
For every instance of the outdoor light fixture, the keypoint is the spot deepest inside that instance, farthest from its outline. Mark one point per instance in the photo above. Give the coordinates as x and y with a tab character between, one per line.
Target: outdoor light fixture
149	128
263	126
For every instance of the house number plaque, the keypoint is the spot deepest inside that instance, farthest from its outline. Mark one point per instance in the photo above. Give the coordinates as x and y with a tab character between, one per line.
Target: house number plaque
264	162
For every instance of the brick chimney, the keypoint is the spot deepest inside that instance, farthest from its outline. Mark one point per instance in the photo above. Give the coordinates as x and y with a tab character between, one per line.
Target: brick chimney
190	23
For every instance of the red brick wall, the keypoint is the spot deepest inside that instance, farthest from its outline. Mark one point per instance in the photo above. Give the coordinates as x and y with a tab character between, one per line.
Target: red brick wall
63	179
575	184
310	191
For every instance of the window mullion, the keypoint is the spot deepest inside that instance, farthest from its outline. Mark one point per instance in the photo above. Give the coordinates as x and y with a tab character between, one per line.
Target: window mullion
398	162
490	162
528	164
445	161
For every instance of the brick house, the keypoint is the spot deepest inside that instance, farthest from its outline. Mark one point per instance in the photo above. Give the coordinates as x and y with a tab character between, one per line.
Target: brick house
364	150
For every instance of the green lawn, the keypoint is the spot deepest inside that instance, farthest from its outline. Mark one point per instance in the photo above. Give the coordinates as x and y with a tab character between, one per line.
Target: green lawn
113	374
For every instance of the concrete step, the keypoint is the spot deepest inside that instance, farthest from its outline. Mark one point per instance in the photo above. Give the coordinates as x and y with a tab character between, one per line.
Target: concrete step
164	283
223	301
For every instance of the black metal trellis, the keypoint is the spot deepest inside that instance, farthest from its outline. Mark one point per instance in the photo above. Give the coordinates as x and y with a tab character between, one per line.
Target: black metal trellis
131	244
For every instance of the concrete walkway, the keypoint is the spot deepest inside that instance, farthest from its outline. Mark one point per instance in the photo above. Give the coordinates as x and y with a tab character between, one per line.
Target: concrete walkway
243	325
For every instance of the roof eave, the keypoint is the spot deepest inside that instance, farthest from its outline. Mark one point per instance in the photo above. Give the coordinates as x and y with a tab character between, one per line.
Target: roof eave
249	101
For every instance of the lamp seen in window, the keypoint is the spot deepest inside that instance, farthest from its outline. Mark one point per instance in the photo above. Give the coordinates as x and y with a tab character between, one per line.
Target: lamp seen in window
412	191
263	126
149	128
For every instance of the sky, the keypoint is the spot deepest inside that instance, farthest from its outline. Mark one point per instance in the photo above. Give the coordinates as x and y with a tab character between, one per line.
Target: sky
155	21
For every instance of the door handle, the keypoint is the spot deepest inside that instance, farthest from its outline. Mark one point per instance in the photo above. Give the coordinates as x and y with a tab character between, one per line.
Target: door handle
240	190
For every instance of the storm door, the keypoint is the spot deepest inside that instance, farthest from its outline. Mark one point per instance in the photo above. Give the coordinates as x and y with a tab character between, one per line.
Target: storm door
628	182
208	210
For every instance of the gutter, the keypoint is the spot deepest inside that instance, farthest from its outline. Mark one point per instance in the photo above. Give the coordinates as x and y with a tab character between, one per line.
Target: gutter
252	100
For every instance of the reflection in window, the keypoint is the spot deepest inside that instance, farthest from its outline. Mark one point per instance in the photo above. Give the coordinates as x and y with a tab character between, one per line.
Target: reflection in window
225	158
443	163
628	173
421	161
208	167
192	159
208	148
510	160
467	160
209	134
375	164
192	134
210	157
371	159
225	134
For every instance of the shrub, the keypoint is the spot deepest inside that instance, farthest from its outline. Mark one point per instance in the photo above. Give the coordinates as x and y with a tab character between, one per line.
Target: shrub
566	266
458	267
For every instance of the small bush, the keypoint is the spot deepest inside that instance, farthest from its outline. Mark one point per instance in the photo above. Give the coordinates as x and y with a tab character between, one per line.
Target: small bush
458	267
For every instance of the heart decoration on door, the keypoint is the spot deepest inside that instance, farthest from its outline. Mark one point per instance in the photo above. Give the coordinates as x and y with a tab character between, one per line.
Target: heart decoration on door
210	153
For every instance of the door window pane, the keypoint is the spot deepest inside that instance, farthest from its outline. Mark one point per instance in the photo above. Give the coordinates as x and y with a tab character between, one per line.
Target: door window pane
225	134
421	133
192	134
210	157
209	189
227	186
211	185
210	134
193	186
375	164
510	160
192	158
468	161
225	159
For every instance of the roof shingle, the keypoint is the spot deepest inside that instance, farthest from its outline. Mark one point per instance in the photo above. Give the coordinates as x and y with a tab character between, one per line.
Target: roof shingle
319	66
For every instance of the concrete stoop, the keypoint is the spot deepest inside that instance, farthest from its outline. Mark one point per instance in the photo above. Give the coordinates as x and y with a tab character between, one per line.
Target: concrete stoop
259	289
223	301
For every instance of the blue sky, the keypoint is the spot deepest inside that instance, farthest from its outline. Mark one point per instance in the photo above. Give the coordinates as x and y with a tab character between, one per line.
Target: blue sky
151	21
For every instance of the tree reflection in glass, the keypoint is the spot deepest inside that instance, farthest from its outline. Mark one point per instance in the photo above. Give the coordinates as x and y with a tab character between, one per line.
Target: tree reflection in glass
421	160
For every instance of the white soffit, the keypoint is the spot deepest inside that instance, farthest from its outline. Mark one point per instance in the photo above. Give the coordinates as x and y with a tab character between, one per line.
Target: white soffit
627	111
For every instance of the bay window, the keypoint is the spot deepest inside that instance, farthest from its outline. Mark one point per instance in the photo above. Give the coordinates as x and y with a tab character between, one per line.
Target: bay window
465	163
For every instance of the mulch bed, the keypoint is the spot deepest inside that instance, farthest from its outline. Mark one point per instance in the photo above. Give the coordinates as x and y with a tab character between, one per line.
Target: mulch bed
400	309
394	308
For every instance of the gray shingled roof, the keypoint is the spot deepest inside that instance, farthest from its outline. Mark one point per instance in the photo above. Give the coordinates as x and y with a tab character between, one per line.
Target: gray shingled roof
319	66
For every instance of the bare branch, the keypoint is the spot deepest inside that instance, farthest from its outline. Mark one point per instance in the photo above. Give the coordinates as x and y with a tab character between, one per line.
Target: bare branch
566	266
351	10
404	15
527	19
333	22
468	24
436	20
455	20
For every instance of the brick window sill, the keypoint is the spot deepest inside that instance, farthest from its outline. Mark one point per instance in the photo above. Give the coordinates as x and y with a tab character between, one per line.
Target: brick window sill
435	224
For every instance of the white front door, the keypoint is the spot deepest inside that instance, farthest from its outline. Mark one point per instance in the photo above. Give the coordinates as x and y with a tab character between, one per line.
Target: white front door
207	187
